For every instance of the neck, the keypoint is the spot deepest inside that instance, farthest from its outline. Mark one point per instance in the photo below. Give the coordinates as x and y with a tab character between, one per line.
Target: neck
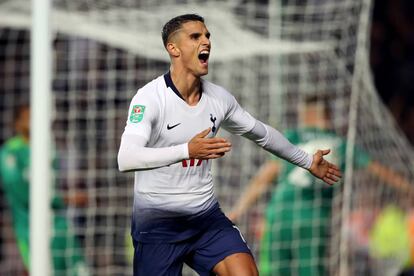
187	84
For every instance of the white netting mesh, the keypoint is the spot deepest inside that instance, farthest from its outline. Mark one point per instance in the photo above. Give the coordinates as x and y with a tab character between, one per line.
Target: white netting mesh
269	54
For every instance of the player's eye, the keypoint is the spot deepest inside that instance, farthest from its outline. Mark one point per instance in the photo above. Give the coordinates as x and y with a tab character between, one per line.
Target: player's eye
195	36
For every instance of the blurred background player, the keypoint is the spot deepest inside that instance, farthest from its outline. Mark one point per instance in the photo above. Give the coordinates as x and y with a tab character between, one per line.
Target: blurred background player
14	173
297	218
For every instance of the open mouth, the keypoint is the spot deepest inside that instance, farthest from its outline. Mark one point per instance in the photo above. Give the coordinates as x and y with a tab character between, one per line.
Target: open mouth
203	56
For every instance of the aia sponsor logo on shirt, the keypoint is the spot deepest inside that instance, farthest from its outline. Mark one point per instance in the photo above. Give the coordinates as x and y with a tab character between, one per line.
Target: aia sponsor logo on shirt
191	163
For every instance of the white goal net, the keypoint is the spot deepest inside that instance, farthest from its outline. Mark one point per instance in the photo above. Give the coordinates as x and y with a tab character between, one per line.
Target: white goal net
271	55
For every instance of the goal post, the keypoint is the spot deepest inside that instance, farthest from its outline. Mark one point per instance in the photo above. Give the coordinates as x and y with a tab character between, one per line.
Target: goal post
41	138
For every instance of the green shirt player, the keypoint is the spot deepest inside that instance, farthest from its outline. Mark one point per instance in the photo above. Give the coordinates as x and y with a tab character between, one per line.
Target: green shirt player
298	215
297	218
14	176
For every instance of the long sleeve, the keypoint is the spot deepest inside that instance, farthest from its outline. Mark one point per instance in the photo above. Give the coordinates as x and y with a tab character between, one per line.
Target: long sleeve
133	155
239	121
273	141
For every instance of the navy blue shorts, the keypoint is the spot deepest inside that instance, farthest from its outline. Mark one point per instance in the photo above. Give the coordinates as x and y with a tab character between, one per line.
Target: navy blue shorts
201	252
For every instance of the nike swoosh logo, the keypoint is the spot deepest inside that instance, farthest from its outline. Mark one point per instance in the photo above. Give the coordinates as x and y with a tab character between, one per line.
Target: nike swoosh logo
173	126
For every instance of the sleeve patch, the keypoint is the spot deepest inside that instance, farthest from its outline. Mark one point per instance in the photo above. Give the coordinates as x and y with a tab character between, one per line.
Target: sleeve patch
137	113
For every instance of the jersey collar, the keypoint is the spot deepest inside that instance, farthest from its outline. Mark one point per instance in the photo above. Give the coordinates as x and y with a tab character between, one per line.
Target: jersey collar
170	84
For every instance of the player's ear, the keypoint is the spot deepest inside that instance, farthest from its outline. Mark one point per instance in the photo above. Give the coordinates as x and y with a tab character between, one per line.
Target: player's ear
172	49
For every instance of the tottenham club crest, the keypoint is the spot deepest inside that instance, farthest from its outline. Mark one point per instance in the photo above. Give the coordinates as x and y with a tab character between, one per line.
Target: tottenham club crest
213	120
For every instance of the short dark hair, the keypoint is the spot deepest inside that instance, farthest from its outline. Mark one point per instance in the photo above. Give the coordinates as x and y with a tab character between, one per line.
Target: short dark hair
175	24
322	97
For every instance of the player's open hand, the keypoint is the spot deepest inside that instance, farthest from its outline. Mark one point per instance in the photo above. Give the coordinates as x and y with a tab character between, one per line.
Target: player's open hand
202	147
324	170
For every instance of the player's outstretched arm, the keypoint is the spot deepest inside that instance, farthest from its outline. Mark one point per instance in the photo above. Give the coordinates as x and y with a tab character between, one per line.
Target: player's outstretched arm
323	169
392	178
202	147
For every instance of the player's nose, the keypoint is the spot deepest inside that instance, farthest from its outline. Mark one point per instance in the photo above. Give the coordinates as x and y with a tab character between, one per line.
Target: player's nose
206	41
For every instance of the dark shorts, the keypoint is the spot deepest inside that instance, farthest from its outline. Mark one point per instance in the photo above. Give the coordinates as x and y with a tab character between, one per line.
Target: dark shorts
201	252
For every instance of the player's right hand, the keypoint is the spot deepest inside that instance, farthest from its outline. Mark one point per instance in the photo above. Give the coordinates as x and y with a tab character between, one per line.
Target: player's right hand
202	147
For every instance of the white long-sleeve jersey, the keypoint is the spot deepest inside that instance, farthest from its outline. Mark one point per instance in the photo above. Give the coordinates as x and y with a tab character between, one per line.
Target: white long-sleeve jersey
155	145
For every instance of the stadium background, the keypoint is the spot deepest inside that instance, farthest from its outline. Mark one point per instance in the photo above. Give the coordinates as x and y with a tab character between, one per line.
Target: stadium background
97	70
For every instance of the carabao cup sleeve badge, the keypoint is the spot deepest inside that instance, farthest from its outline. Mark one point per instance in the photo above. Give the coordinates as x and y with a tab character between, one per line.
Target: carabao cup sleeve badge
137	113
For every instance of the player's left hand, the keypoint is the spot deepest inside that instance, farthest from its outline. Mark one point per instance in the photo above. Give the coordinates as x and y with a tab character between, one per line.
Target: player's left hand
323	169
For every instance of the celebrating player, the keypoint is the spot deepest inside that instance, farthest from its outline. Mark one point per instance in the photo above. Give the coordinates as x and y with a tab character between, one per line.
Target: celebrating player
169	140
